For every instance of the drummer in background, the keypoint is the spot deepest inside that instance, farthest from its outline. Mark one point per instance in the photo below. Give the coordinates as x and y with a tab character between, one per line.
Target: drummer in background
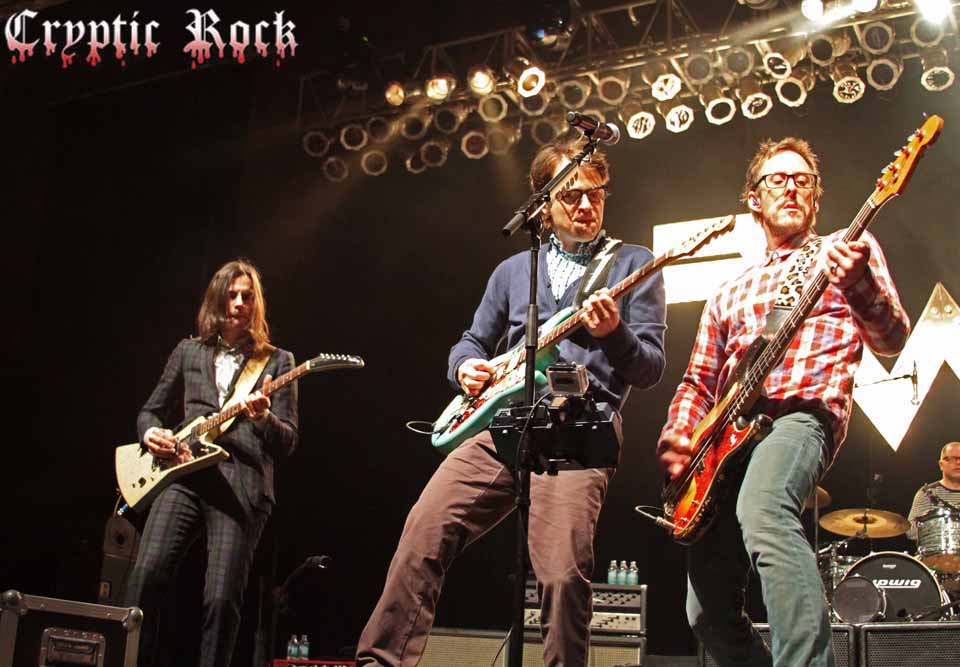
935	494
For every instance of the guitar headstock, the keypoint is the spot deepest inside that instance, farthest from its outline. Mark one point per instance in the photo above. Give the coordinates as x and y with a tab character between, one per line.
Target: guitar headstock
703	237
895	175
329	362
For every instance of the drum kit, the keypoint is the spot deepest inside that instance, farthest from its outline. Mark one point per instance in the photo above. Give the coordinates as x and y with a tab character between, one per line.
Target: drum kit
889	585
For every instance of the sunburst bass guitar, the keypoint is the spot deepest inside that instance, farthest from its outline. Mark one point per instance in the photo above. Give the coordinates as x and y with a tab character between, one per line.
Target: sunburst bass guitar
141	476
726	435
465	416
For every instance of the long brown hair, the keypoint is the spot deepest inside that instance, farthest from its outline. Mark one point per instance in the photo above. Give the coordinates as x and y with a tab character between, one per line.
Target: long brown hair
213	310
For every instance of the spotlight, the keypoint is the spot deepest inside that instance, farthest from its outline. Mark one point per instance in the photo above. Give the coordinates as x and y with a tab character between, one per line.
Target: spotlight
474	144
876	38
414	163
527	77
638	120
535	105
698	68
547	23
937	74
546	130
926	34
448	118
759	4
492	108
792	91
380	130
824	49
934	11
664	84
316	143
397	93
864	6
848	87
335	169
754	101
738	61
502	136
481	80
677	116
781	58
353	137
884	71
573	94
374	162
812	10
414	125
719	107
613	87
440	86
433	152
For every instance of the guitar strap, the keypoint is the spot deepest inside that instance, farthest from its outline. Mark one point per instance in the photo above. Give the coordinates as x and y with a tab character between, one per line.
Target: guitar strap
792	286
597	271
252	370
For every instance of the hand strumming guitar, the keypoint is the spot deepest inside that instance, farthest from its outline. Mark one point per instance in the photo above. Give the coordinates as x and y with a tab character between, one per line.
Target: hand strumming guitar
674	454
473	374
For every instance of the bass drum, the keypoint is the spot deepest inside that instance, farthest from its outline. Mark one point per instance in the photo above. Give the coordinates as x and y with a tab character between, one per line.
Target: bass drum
887	586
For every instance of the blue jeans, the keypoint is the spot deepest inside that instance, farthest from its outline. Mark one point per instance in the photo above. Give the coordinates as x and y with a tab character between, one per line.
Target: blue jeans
764	531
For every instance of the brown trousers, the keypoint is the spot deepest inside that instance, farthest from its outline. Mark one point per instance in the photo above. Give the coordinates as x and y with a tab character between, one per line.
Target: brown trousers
470	493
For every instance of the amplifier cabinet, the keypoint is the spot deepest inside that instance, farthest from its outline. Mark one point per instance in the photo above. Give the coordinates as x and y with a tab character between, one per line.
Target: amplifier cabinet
909	644
447	647
842	635
617	610
44	632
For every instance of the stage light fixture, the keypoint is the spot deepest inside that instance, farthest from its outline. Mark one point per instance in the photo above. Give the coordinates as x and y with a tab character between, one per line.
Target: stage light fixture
755	102
502	136
481	80
397	93
474	143
926	34
547	23
759	5
353	136
677	114
639	121
698	68
937	74
884	71
414	163
719	107
335	169
527	77
546	129
780	60
316	143
934	11
440	86
876	37
824	49
738	61
613	87
848	87
573	94
664	83
414	125
492	108
449	118
864	6
381	130
812	10
536	105
374	162
433	152
792	91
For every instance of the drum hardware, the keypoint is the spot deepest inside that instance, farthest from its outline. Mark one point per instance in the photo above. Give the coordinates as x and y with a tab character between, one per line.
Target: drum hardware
865	522
935	613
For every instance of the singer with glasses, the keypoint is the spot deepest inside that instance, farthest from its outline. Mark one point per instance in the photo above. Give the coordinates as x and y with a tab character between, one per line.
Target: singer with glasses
943	493
807	397
621	346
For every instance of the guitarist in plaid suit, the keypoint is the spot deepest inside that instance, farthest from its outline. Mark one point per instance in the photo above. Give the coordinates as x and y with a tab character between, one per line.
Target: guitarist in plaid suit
226	505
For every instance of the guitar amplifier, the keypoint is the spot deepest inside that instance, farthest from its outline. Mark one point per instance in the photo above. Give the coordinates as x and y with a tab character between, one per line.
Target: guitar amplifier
617	610
909	644
842	635
46	632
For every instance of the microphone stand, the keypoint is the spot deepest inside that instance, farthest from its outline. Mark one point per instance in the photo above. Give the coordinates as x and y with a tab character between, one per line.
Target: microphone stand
528	216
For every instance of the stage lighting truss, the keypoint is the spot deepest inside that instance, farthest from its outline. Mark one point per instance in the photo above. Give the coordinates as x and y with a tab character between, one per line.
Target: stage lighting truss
374	162
755	102
353	136
502	136
528	78
481	80
493	108
381	130
316	143
638	119
826	48
738	61
664	82
433	152
937	74
718	106
793	90
335	169
698	68
474	144
414	163
677	115
448	119
781	57
573	93
547	129
926	34
876	37
883	72
613	87
414	125
848	87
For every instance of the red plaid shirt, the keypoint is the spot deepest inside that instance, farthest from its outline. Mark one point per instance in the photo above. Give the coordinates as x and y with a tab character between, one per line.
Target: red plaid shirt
817	371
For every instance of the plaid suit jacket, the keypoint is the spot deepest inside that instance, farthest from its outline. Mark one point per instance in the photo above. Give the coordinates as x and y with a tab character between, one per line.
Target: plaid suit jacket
190	375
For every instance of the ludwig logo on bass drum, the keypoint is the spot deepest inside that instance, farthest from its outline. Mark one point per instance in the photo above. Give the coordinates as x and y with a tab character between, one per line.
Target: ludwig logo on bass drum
896	583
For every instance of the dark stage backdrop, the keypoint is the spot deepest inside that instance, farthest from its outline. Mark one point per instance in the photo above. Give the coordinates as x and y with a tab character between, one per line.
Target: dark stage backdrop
122	203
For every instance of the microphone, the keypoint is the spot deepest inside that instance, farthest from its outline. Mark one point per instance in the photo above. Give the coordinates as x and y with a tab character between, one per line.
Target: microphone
605	133
913	379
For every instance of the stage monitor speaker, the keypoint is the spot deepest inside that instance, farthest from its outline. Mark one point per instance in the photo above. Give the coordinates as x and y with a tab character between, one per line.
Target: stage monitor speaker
485	648
120	543
909	644
842	635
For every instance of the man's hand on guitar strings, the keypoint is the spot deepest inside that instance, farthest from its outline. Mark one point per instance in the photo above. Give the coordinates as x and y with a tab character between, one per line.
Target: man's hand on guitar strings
601	315
846	262
160	442
255	405
675	454
473	375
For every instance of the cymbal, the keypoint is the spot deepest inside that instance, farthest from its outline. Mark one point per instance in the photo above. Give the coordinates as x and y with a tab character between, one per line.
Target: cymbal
819	498
865	523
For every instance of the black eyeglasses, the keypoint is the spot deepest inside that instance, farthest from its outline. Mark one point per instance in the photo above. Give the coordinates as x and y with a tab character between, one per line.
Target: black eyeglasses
573	196
778	180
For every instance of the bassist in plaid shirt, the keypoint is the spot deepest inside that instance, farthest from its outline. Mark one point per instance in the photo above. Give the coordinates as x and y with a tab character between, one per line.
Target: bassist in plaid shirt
808	397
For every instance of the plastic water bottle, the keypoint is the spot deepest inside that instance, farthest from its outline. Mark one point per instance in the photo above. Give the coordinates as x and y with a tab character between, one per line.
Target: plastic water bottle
633	574
622	573
304	648
612	572
293	648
